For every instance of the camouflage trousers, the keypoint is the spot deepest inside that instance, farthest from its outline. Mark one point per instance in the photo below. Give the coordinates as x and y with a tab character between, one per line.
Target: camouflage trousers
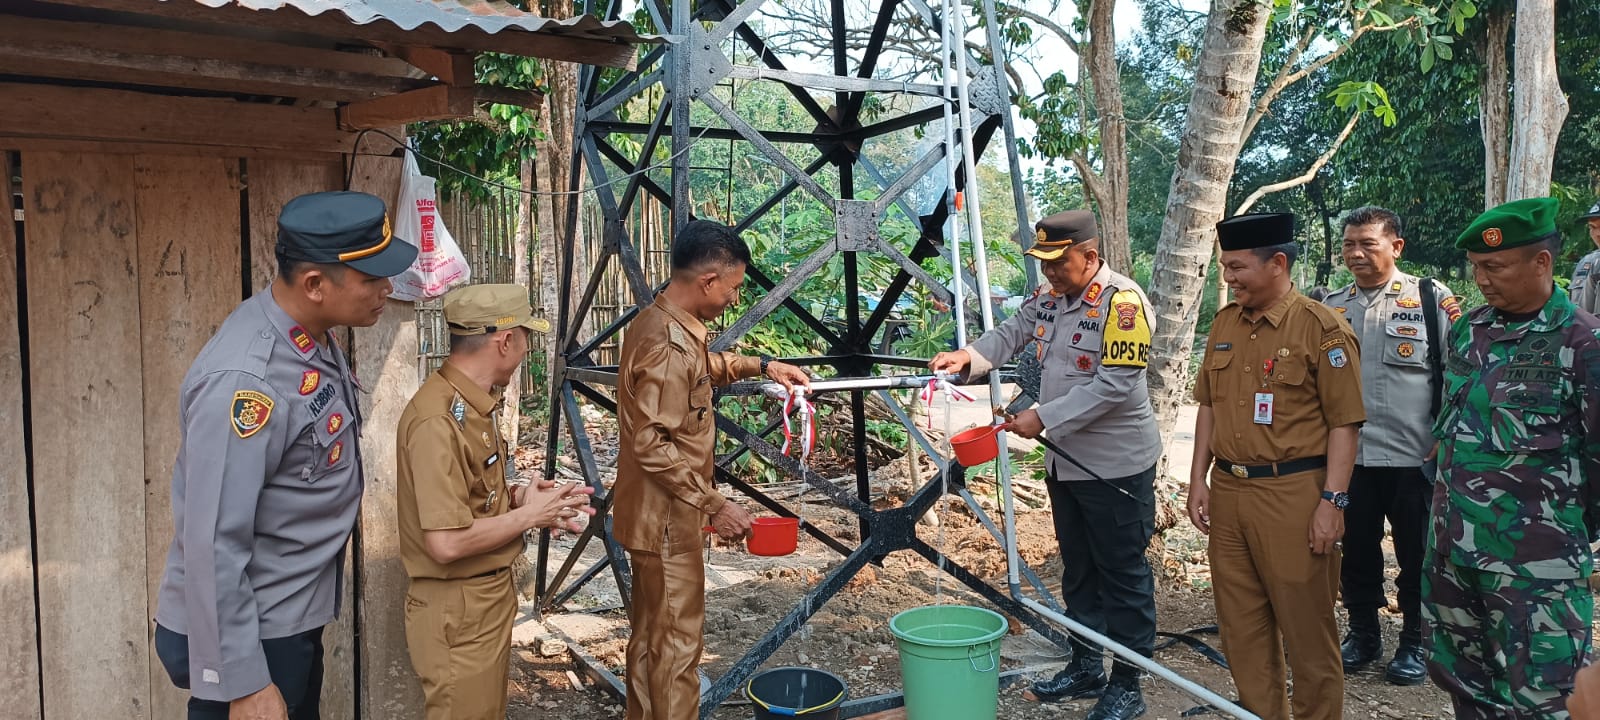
1505	646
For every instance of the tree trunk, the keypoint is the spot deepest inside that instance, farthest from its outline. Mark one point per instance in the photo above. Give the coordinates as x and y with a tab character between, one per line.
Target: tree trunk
1493	100
1112	192
551	173
1540	107
1230	57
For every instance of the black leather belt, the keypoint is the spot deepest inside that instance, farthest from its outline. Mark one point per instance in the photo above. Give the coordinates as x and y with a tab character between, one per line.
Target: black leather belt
490	573
1250	472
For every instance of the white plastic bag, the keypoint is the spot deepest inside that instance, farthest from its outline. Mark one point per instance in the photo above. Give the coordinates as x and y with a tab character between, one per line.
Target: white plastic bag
439	265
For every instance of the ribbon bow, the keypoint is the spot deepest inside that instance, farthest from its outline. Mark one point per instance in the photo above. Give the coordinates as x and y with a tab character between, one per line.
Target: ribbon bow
808	431
952	393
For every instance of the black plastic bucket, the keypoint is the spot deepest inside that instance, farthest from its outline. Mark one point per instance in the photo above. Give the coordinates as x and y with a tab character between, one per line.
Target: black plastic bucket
787	692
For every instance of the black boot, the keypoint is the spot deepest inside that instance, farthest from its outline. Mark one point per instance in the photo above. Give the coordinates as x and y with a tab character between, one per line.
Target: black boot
1084	678
1121	700
1409	666
1363	643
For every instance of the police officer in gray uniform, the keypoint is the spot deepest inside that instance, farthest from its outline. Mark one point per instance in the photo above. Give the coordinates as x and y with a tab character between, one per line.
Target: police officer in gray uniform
1584	277
268	477
1402	322
1091	332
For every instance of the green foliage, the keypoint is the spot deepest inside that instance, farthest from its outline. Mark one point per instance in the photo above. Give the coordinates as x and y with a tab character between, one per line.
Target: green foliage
1365	97
492	146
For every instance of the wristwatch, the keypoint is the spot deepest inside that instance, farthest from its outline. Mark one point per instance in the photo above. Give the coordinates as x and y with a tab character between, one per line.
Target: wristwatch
1340	500
765	361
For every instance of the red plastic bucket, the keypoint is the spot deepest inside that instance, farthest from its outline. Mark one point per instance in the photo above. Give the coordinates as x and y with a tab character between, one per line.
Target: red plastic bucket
975	446
773	536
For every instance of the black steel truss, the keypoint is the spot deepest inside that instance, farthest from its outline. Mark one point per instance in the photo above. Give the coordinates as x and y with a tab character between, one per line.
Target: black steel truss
690	70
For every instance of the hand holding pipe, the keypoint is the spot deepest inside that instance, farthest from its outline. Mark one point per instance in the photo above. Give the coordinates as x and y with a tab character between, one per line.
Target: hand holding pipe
1050	445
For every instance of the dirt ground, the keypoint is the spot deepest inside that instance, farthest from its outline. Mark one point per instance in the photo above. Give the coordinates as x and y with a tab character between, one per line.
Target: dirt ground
849	635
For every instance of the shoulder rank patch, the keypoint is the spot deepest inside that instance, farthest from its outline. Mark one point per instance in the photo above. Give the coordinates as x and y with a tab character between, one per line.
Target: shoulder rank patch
1127	341
309	381
1337	358
1091	297
301	339
251	411
1451	305
1408	302
335	421
1333	342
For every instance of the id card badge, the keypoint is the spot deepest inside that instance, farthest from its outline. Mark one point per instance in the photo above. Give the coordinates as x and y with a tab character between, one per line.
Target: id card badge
1263	408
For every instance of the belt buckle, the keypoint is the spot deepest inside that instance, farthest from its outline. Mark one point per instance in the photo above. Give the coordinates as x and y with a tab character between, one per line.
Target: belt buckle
1239	471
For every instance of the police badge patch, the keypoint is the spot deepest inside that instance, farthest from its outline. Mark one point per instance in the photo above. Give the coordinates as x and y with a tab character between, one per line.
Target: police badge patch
335	421
250	412
1337	358
309	381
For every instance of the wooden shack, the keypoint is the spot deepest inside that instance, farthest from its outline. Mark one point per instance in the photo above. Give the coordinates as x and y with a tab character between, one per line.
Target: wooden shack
148	146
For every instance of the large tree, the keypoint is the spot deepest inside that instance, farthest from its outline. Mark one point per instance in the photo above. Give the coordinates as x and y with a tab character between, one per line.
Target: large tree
1230	56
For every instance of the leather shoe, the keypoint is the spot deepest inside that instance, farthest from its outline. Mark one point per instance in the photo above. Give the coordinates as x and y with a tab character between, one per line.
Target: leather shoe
1121	701
1360	647
1409	666
1078	680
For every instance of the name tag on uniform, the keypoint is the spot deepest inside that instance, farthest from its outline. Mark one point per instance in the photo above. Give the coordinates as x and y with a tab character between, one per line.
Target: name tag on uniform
492	460
1263	408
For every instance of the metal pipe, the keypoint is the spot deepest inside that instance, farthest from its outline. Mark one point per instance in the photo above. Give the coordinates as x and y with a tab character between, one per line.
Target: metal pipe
952	231
893	382
956	19
1149	665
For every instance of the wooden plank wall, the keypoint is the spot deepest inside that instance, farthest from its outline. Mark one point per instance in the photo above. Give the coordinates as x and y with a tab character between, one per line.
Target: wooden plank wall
188	232
87	382
19	685
386	361
133	261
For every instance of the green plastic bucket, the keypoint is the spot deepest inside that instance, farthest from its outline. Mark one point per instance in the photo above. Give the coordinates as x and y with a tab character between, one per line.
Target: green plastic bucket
949	661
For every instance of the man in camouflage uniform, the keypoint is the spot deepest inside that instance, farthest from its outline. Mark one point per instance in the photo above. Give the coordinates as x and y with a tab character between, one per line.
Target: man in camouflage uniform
1506	597
1584	293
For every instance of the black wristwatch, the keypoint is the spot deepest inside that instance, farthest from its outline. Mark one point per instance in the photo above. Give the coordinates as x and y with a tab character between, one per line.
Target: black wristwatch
1340	500
765	361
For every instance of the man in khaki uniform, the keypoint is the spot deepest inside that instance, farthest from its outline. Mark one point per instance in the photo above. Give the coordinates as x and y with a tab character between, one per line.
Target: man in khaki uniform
1280	408
1402	322
462	517
663	492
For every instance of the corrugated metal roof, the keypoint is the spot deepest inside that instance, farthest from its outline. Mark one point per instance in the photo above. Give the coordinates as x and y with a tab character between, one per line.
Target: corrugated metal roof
451	16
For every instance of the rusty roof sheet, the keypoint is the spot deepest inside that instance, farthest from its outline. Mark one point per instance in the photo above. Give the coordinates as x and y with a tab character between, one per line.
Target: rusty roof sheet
452	16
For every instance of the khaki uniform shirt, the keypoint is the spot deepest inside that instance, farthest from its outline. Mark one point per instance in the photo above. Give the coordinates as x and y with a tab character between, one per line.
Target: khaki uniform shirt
1582	289
1396	373
452	470
1093	349
1303	355
667	426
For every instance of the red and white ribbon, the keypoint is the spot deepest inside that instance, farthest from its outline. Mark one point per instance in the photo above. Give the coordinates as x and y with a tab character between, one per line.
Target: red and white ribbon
793	402
952	393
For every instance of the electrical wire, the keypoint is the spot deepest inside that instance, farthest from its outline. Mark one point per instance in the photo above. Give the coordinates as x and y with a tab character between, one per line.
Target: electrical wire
356	150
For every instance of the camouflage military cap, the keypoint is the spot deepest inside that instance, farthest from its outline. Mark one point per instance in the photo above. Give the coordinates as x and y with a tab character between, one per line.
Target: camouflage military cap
1515	224
482	309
